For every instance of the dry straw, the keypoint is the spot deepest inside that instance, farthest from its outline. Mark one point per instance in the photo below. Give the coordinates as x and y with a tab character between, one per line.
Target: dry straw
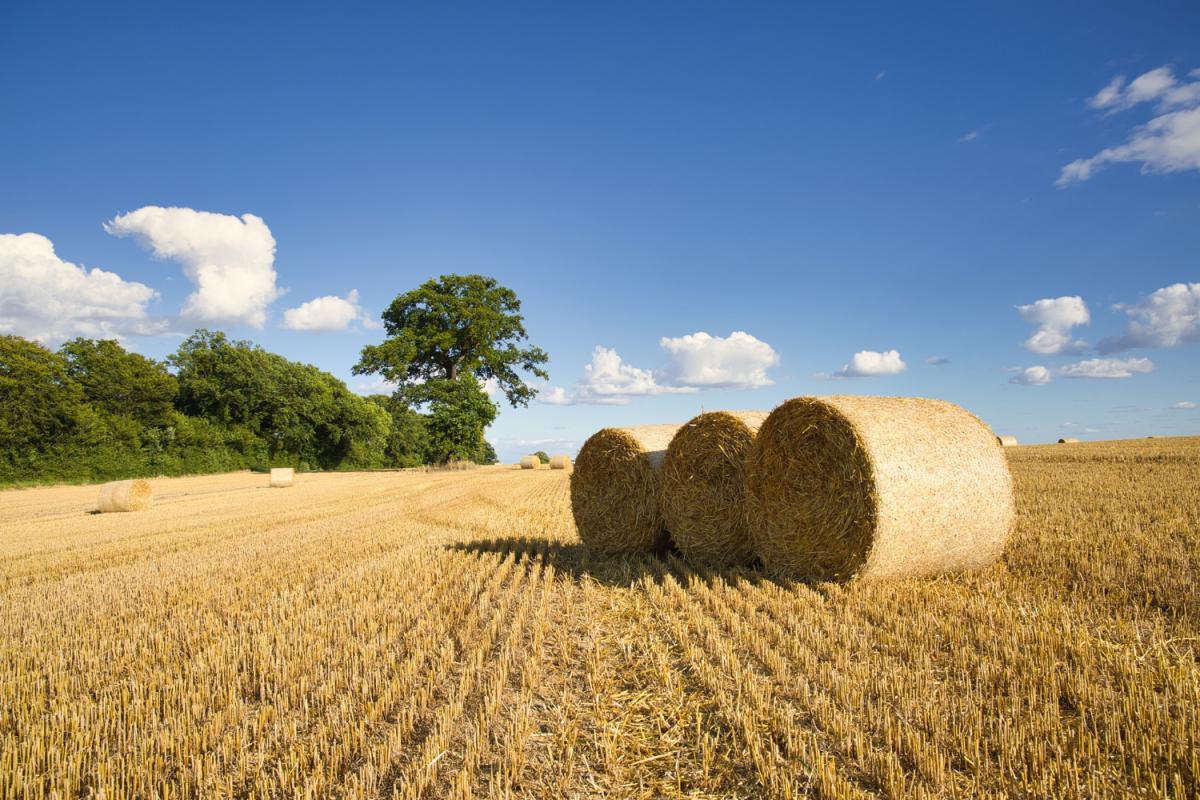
529	462
1068	440
703	483
126	496
282	477
1007	441
873	487
615	487
560	462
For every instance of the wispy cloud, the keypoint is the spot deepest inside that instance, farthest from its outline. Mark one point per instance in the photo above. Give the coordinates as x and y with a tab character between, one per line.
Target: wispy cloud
1107	368
1169	142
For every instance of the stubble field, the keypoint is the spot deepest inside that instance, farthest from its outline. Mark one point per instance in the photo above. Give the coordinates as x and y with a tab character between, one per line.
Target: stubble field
445	635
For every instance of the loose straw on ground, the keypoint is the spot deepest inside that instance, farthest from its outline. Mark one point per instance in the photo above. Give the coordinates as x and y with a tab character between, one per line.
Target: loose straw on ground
530	462
615	488
126	496
1006	441
560	462
282	477
703	484
873	487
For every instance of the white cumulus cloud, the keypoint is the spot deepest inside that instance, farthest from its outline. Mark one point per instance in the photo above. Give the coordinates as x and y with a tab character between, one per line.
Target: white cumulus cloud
1107	368
1054	318
1169	317
45	298
608	380
554	396
1031	376
870	364
1169	142
324	314
1185	405
695	362
231	260
699	360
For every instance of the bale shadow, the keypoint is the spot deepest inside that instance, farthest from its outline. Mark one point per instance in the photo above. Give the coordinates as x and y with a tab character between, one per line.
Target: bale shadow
574	560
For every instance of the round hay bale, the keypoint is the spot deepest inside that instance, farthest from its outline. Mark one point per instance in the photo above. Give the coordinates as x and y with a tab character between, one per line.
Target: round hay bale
560	462
126	496
530	462
872	487
1007	441
615	487
1068	440
703	487
282	477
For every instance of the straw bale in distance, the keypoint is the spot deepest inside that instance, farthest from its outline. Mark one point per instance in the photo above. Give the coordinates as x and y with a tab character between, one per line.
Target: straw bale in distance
703	487
529	462
282	477
560	462
615	488
872	487
1007	441
133	495
1068	440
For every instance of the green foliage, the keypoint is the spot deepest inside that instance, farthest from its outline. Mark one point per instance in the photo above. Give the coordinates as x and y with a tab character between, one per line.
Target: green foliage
119	383
453	326
94	411
446	338
542	457
304	416
408	437
459	411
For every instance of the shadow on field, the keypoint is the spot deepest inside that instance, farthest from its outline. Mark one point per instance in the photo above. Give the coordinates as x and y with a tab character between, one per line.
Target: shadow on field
575	560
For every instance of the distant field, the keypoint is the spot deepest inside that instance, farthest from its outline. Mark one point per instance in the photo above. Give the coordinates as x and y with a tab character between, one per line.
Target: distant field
445	635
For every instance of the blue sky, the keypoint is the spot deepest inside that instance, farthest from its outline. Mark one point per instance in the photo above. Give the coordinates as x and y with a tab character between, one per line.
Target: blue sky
827	181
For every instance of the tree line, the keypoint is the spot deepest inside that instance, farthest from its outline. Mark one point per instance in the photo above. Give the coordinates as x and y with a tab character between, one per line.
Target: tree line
93	410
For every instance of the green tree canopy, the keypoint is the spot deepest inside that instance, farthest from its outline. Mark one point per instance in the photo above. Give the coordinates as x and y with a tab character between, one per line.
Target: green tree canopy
119	383
302	414
459	411
453	326
40	405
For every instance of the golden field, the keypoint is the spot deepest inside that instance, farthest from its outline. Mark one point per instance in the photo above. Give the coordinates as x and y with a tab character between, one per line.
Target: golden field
444	635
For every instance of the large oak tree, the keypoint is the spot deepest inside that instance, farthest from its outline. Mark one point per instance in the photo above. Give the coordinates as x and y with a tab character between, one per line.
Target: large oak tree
454	326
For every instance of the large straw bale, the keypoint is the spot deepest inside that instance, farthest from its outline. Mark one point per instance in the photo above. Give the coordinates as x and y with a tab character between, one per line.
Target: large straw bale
615	487
133	495
530	462
703	487
282	477
560	462
1068	440
1006	441
873	487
